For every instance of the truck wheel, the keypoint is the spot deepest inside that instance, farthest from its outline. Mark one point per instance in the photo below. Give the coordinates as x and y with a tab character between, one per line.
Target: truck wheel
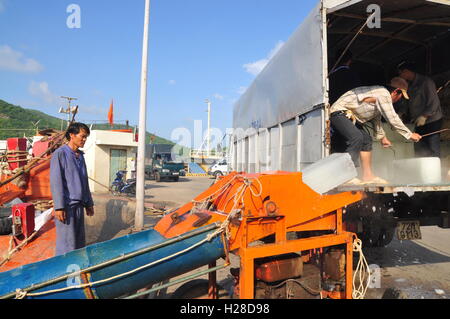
176	179
386	236
157	177
371	232
218	174
387	231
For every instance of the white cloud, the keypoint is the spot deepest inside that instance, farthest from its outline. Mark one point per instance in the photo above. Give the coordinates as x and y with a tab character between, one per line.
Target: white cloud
42	91
12	60
93	110
256	67
172	82
218	96
242	90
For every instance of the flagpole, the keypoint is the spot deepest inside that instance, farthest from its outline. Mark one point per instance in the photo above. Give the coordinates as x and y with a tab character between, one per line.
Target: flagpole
140	172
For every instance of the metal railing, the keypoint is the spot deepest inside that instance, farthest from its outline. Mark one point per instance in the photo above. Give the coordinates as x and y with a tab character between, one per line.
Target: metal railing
206	154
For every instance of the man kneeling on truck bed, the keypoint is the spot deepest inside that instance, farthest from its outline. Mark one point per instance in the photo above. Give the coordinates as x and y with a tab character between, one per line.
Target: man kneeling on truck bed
351	113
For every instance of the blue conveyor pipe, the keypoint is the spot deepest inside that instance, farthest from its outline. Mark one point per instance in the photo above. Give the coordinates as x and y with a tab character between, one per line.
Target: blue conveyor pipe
112	258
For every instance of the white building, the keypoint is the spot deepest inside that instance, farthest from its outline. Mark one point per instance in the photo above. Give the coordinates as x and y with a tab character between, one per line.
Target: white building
107	152
3	146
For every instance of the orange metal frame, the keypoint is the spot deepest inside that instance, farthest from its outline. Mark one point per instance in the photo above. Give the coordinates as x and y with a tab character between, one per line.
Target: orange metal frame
271	203
283	246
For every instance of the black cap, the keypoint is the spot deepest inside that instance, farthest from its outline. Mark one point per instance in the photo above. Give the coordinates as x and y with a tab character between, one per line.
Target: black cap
407	65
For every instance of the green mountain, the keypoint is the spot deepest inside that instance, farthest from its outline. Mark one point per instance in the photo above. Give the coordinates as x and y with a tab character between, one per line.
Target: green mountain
19	122
16	121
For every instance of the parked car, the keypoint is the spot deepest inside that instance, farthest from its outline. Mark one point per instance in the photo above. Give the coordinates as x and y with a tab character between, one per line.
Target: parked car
220	168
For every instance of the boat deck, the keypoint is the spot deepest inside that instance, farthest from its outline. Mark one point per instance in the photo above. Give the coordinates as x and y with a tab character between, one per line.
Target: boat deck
40	248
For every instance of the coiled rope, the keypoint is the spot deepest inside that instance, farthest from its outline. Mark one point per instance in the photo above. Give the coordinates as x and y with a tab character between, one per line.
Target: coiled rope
362	270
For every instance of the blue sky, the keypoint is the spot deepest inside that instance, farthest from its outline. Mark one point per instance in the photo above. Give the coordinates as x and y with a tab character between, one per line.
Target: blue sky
199	49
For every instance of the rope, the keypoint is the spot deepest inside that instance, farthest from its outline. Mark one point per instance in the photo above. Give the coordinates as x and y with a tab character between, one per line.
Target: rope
108	188
43	205
217	193
12	252
20	294
361	271
351	42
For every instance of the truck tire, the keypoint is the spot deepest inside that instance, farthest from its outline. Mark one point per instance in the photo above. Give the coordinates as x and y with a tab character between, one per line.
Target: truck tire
378	230
386	236
176	179
371	232
387	231
217	174
5	226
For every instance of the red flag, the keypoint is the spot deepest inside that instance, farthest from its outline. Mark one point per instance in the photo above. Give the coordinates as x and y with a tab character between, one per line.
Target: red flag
111	113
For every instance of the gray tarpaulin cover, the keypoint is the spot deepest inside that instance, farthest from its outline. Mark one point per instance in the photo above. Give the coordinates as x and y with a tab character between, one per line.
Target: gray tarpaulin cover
292	82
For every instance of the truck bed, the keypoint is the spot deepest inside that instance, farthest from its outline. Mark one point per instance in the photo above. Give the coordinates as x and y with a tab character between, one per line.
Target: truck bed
396	188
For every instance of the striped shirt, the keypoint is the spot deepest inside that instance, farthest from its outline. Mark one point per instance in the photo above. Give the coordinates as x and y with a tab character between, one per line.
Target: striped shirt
365	112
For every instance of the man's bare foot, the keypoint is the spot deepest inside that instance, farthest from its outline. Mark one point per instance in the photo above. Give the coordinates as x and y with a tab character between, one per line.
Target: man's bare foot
368	178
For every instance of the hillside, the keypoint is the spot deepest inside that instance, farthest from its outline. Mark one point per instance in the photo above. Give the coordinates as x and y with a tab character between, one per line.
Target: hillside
16	121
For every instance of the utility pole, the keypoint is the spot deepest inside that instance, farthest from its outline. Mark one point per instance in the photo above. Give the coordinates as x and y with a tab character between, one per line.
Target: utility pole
70	110
140	172
208	133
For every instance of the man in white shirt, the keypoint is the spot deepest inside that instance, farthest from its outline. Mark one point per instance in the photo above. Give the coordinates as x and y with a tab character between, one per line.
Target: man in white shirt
355	109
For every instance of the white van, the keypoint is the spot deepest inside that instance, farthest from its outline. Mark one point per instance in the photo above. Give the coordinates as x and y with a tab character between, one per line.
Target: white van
220	168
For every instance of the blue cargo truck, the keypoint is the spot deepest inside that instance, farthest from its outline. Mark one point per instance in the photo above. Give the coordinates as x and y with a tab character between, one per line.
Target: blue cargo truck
160	164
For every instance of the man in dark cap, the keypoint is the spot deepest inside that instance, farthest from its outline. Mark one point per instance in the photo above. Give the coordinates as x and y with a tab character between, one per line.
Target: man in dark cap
424	109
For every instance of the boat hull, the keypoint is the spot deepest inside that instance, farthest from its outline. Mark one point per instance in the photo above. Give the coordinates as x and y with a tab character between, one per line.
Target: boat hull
35	274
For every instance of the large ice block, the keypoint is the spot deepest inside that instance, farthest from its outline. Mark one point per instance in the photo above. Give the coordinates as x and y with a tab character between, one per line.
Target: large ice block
329	172
426	170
